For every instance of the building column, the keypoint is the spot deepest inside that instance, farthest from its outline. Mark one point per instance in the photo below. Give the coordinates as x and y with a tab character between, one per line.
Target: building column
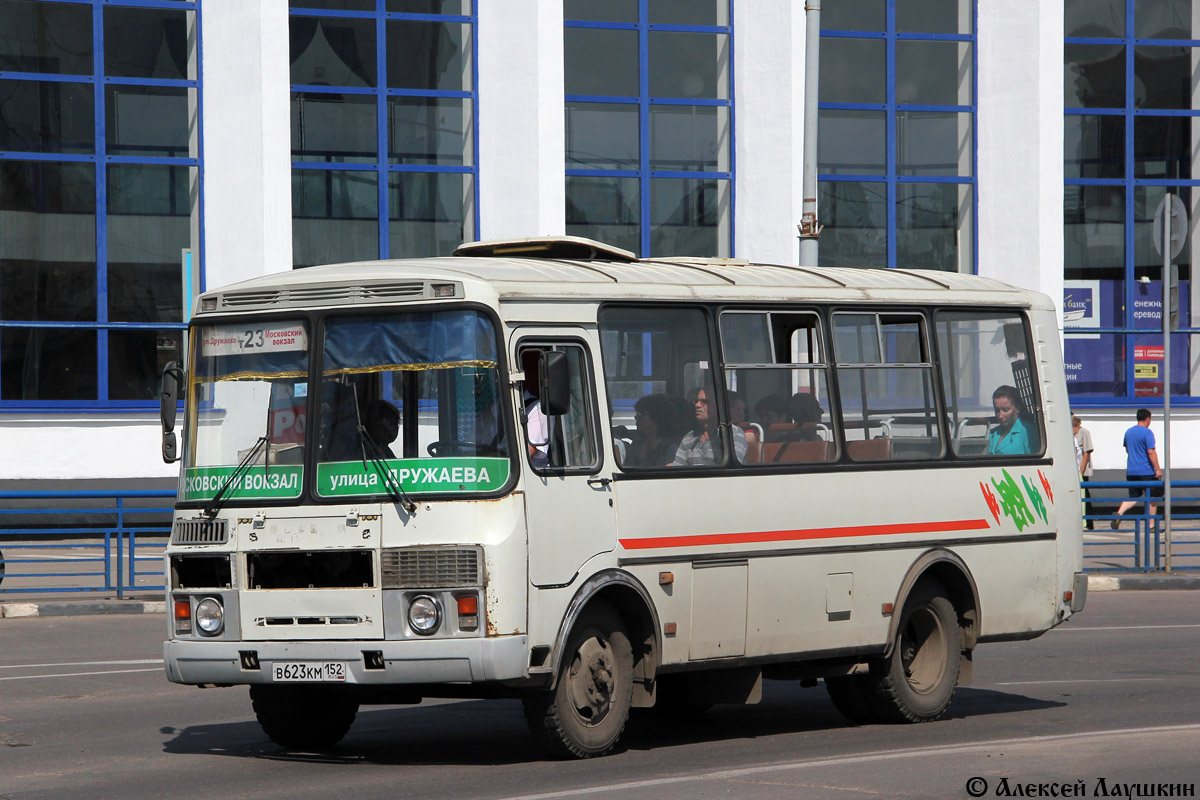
522	144
769	130
245	67
1020	158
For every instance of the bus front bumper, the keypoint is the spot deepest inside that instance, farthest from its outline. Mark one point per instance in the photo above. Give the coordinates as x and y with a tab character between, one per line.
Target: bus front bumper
426	661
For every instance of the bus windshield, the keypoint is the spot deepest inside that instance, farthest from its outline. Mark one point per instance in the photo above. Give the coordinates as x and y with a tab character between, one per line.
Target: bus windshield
249	389
412	399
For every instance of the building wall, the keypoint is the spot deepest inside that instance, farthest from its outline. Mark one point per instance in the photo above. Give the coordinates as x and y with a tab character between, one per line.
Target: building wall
247	180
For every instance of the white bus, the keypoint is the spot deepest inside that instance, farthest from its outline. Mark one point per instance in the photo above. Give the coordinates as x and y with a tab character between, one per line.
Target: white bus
547	469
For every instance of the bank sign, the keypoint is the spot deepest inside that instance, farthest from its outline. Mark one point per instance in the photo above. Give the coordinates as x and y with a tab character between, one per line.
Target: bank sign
414	475
1097	363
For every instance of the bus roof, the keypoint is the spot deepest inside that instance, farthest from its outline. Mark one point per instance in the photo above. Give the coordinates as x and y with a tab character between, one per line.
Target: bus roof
546	271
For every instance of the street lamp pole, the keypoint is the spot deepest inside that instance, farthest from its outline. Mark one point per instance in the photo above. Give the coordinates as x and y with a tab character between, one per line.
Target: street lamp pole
810	228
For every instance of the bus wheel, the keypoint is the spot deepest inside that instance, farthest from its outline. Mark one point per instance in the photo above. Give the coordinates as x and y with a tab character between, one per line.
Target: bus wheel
585	714
1	567
916	683
852	696
303	717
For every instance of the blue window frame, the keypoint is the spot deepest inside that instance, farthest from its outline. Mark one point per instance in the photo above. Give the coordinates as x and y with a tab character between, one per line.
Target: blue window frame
384	128
1129	138
100	147
649	138
897	138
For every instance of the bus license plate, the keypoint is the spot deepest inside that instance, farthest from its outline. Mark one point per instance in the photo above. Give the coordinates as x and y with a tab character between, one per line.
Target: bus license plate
310	671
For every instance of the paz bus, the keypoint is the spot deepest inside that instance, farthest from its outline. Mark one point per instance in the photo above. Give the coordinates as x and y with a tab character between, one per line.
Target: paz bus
547	469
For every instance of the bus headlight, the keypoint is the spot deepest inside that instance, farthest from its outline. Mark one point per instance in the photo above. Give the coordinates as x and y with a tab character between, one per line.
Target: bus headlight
424	615
210	616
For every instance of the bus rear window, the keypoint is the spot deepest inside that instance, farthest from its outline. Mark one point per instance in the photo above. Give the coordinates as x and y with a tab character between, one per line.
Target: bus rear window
992	402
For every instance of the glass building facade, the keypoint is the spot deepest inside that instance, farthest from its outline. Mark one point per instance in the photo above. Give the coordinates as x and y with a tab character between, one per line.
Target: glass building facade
383	128
897	134
1130	71
99	198
649	137
101	147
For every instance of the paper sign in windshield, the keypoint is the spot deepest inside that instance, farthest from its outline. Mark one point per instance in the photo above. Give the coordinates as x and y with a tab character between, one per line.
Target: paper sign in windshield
415	475
252	338
255	483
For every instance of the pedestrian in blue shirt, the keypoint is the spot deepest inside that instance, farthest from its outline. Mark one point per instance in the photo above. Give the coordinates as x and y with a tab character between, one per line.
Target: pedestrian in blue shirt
1141	464
1009	438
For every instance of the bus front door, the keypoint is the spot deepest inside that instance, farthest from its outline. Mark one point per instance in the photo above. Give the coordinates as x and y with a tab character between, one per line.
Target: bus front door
568	500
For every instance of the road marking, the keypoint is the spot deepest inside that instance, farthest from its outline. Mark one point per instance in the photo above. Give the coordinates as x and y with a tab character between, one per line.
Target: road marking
84	664
77	674
1128	628
879	755
1082	680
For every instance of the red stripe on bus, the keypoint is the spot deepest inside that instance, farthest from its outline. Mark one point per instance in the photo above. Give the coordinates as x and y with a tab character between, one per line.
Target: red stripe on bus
810	533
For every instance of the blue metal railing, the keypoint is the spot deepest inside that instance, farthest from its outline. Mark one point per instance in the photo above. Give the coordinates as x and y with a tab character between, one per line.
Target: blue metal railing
91	542
111	542
1108	550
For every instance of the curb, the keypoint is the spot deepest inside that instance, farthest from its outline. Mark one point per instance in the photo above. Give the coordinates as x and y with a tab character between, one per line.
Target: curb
1111	583
78	608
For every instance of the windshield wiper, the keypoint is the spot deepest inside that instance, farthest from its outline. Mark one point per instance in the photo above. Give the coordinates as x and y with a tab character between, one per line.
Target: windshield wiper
214	505
394	489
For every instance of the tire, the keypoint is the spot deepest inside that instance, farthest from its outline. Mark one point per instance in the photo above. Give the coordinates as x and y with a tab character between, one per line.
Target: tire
852	695
585	713
1	567
917	682
303	717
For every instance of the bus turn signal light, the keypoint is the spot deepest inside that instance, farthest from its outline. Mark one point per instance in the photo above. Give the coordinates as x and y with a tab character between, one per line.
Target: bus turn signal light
468	612
183	616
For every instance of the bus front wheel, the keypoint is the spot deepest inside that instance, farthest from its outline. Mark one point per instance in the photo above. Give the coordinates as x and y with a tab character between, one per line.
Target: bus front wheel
587	710
916	683
303	717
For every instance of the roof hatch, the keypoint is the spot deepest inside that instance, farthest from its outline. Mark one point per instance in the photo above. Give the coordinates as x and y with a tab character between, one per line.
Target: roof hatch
565	248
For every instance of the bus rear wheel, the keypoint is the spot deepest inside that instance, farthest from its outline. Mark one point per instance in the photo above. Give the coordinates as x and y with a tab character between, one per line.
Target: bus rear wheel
853	696
917	682
586	712
303	717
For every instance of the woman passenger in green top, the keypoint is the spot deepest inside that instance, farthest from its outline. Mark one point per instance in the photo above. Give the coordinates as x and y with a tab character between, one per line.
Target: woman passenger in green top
1010	438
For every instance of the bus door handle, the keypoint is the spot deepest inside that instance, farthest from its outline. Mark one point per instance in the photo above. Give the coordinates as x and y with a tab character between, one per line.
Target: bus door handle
599	483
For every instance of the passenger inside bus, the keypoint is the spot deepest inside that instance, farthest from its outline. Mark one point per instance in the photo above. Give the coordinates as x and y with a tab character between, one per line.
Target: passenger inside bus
655	442
753	431
806	413
701	446
1010	436
772	410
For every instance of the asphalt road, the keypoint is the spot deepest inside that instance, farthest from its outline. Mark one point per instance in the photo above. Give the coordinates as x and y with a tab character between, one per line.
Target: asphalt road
85	712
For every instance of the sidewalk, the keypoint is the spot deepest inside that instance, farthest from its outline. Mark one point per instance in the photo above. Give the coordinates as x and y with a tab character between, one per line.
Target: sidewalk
1109	582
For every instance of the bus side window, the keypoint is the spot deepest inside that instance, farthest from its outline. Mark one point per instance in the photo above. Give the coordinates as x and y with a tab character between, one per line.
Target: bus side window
655	360
778	385
885	380
565	441
987	364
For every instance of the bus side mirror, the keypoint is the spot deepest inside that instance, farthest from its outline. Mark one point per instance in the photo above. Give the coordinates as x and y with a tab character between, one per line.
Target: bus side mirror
554	383
172	379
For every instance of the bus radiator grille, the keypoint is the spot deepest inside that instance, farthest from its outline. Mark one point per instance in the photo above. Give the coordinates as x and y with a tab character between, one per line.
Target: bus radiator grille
430	567
200	531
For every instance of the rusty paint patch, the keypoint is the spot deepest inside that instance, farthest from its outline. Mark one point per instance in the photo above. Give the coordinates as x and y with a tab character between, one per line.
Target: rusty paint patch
490	614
